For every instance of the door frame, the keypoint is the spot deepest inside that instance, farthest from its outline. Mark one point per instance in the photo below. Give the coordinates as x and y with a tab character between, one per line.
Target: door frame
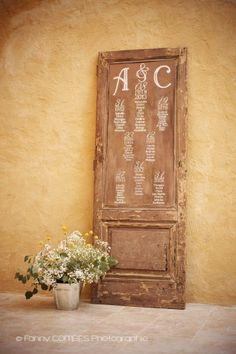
105	217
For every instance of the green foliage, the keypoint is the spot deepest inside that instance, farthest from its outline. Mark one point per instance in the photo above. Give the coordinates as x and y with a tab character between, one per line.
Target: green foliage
35	290
112	262
104	266
24	279
71	261
63	254
72	265
28	295
65	279
44	286
17	275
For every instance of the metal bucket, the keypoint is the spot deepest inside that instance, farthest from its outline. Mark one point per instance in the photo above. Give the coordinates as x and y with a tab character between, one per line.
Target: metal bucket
66	296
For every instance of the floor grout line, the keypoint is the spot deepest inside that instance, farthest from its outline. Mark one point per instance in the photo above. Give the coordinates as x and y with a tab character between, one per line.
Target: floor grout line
167	336
204	323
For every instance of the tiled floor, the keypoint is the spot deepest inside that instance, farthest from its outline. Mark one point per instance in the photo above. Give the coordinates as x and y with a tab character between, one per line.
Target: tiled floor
35	326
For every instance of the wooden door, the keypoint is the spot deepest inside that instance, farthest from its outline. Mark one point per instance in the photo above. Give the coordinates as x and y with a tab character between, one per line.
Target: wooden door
139	196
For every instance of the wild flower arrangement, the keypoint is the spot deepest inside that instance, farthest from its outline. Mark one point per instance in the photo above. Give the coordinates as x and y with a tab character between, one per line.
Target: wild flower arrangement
72	260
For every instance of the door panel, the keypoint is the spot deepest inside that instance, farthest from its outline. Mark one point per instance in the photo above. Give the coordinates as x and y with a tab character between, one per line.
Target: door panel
137	239
142	249
139	194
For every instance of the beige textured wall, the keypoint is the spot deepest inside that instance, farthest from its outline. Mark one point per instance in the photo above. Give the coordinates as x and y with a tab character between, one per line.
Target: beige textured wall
48	100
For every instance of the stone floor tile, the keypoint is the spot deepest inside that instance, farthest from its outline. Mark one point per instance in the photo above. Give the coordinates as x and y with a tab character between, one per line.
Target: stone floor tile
95	328
207	342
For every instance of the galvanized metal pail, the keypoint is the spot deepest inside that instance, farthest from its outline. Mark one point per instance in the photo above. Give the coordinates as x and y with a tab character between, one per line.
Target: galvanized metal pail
67	296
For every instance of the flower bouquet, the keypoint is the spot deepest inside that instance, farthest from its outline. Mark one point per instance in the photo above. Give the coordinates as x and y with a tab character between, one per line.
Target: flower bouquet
73	260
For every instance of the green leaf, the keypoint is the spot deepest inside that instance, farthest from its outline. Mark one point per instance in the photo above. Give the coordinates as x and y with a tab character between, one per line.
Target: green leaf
35	290
28	295
44	287
95	263
30	271
34	270
112	261
65	279
104	267
63	254
20	277
72	265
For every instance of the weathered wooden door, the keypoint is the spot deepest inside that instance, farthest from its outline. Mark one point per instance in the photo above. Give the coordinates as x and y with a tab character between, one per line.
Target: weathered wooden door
139	197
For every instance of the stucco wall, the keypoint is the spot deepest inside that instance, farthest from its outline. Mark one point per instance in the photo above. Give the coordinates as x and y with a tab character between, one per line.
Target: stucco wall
48	102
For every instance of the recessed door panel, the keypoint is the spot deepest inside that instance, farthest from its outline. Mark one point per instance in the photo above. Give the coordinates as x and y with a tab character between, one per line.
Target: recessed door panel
141	125
128	245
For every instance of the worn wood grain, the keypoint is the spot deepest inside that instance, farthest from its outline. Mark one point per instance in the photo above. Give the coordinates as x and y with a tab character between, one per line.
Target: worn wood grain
147	236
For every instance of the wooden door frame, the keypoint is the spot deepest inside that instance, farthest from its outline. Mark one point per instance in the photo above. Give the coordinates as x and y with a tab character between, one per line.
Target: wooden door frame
170	215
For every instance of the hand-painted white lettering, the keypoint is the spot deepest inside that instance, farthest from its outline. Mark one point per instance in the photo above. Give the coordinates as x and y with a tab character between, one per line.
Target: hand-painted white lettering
156	72
128	146
159	188
162	113
123	79
141	98
139	178
120	187
150	147
120	119
141	91
142	73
